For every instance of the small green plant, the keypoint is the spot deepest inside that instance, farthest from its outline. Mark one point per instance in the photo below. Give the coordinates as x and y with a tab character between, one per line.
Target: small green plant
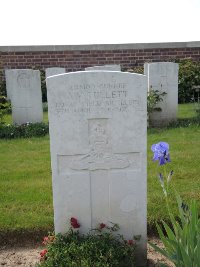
26	130
4	108
182	242
99	248
153	98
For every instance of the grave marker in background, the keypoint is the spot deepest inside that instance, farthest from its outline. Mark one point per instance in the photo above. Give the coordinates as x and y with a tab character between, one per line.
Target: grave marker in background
24	89
105	67
98	132
9	84
54	71
163	76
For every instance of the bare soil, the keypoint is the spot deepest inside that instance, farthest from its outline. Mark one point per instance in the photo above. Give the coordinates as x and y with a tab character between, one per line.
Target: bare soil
28	255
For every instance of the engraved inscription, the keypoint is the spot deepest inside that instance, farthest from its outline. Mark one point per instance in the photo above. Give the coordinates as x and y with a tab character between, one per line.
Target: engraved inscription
24	84
23	80
100	155
87	98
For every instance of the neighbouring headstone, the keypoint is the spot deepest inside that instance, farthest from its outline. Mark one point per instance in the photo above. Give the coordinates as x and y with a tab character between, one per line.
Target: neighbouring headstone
98	132
9	84
105	67
54	71
163	76
25	94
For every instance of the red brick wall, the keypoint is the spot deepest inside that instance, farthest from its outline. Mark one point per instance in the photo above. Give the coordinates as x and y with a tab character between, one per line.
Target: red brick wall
74	60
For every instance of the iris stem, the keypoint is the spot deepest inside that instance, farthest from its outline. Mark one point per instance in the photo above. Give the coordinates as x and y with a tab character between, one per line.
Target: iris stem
166	196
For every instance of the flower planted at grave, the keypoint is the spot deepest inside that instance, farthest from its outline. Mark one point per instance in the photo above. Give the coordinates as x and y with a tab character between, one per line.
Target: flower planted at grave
74	223
100	247
182	239
161	152
43	255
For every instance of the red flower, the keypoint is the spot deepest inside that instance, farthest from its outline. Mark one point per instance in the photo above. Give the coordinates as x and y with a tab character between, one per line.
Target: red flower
74	223
45	240
102	225
130	242
43	253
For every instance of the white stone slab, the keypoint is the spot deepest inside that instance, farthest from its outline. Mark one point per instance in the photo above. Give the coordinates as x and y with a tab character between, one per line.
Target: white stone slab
163	76
105	67
25	94
9	84
54	71
98	131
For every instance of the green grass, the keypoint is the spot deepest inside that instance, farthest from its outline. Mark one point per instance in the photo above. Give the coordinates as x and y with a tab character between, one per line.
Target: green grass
185	159
186	111
8	118
25	182
25	176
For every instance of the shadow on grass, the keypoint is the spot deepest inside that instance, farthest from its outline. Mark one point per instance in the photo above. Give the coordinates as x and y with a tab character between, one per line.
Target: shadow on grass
180	123
23	237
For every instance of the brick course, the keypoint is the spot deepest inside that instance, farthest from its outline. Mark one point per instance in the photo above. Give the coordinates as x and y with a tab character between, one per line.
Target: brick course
78	59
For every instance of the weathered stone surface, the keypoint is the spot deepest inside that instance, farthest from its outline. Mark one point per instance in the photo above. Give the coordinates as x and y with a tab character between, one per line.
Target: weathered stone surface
163	76
24	90
54	71
98	124
105	67
9	84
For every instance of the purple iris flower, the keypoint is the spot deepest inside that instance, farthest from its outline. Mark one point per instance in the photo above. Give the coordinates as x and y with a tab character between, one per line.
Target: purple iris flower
161	152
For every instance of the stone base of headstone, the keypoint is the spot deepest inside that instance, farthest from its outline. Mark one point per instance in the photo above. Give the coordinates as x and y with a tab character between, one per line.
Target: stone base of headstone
155	120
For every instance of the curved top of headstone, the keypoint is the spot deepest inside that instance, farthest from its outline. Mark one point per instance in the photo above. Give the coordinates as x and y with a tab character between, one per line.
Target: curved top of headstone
158	63
90	94
54	71
104	67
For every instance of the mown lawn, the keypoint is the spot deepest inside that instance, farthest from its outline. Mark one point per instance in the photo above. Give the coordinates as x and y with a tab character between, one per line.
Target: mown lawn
25	182
8	118
25	176
185	161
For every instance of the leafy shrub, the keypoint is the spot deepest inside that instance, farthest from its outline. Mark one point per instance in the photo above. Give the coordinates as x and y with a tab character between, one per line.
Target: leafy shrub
99	248
4	108
139	70
2	83
43	86
25	130
189	76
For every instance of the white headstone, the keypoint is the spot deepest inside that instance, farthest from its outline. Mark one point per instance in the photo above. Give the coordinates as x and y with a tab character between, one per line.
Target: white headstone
163	76
54	71
26	96
9	84
98	132
105	67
